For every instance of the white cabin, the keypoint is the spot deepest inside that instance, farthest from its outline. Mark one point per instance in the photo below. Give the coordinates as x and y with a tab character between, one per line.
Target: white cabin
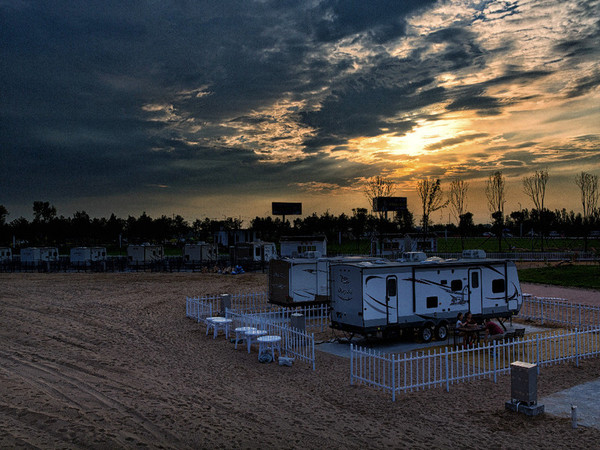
144	254
427	295
87	255
5	254
34	255
308	246
200	252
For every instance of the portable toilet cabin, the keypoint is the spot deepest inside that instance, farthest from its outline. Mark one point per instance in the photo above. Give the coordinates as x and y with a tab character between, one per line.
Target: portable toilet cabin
144	254
5	254
298	246
201	252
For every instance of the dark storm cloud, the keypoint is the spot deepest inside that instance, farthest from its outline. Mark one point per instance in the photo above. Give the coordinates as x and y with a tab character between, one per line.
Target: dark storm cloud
109	97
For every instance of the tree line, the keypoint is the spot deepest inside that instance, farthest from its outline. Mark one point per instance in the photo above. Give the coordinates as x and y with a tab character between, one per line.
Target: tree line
47	228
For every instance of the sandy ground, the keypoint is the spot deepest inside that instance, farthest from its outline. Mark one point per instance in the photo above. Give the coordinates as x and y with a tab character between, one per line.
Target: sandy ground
111	361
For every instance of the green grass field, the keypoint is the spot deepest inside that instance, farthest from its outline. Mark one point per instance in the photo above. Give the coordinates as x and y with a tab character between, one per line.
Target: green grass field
585	276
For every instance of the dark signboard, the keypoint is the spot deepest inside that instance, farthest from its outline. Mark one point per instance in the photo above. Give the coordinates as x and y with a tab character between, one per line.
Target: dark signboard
286	209
389	204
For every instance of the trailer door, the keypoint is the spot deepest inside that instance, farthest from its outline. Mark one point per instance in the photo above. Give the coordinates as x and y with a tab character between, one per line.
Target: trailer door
475	289
391	298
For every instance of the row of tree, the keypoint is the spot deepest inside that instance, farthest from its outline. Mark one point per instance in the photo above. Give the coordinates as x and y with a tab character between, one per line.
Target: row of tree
49	228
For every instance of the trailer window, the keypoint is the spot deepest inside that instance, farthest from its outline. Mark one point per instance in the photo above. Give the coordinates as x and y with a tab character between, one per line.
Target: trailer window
475	280
432	302
456	285
391	287
498	285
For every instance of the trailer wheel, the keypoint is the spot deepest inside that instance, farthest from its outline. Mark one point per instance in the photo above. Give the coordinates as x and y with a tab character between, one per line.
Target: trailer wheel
441	332
426	333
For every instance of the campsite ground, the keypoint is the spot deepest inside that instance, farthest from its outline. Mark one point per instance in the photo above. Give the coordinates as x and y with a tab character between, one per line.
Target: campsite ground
110	360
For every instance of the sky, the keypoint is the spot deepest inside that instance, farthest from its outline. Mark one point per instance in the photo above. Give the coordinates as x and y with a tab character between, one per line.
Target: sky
216	109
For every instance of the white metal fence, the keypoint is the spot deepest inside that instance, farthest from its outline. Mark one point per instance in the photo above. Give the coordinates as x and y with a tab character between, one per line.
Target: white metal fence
252	310
559	311
296	343
443	367
316	316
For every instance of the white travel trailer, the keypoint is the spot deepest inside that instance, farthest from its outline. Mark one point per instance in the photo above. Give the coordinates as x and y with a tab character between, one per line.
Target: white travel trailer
35	255
84	256
144	254
5	254
297	246
300	281
200	252
372	297
256	251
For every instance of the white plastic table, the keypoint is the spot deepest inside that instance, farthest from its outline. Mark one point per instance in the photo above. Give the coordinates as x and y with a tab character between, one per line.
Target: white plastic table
216	323
253	334
240	332
269	343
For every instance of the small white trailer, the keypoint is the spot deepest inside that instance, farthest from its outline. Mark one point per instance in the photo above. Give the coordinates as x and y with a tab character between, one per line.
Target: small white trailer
5	254
384	297
85	256
301	281
144	254
255	251
297	246
35	255
200	252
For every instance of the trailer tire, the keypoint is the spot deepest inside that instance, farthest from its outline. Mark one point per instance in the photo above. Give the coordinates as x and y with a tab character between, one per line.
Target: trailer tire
441	332
426	333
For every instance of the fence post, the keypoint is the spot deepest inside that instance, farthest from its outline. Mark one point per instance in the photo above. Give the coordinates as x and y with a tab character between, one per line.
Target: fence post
494	357
541	312
351	364
447	371
537	362
579	308
576	347
393	378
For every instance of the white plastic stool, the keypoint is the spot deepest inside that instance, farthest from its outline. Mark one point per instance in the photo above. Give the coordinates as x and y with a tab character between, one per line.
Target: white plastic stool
241	332
251	334
269	342
215	323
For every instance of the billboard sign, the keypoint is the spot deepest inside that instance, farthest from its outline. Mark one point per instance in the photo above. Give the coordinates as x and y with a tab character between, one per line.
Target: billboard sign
286	209
381	204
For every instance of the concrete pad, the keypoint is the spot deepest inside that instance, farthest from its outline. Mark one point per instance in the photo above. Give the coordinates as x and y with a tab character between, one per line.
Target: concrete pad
585	396
398	346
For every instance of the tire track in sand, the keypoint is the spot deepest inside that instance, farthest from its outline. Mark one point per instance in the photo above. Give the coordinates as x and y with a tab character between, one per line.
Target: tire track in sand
64	383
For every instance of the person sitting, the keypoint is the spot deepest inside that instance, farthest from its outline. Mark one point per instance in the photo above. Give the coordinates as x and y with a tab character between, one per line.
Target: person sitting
459	324
469	323
493	331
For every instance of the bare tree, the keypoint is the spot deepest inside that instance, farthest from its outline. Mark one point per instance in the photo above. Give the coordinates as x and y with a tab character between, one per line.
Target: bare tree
378	187
457	198
588	185
535	188
494	191
432	198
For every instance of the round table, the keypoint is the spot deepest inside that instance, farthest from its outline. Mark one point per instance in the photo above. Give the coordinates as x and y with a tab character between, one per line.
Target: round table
217	322
255	334
269	343
242	331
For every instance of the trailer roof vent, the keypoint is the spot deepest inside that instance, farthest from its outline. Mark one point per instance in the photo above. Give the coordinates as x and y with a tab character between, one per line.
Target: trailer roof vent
473	254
